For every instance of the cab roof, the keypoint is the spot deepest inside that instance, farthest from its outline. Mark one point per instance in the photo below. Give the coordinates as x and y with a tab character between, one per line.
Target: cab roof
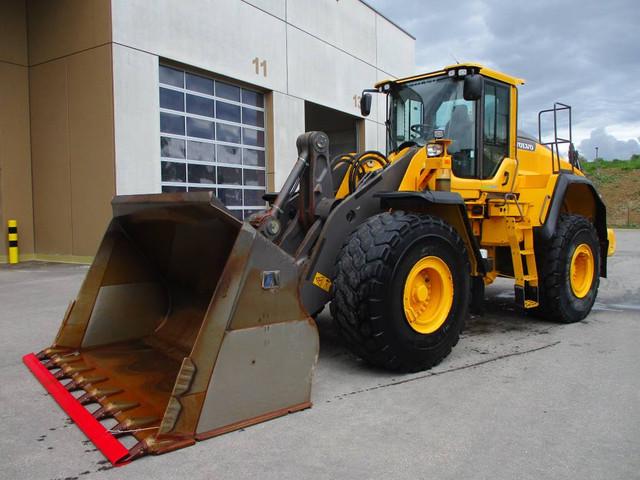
502	77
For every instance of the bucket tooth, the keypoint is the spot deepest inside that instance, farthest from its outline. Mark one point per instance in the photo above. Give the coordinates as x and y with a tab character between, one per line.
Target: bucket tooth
98	394
81	381
66	359
134	423
101	413
67	371
57	361
49	352
113	408
49	364
140	449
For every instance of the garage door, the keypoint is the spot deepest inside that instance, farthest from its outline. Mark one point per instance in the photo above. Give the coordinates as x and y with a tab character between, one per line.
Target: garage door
212	137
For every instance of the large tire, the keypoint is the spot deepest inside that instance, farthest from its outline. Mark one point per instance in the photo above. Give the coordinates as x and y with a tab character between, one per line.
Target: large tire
560	300
369	308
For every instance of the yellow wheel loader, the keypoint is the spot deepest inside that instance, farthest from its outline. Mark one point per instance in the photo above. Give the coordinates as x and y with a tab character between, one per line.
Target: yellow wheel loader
191	323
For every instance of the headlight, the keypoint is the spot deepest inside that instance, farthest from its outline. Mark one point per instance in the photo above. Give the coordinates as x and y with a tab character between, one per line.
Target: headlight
434	149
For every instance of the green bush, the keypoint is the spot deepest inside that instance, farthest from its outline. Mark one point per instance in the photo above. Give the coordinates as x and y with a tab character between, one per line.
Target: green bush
631	164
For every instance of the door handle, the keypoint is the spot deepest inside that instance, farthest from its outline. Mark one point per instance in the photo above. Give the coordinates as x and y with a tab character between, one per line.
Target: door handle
506	179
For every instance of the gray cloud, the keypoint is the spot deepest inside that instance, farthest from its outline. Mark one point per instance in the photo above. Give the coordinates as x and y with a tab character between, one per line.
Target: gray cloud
609	147
581	52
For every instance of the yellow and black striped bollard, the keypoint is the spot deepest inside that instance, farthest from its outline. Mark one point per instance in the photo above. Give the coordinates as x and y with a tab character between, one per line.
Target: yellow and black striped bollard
13	241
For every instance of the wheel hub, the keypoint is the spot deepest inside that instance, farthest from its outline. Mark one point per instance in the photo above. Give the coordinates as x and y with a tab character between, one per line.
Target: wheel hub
421	293
428	294
581	271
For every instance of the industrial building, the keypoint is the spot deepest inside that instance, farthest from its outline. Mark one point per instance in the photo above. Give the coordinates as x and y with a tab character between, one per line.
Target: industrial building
102	98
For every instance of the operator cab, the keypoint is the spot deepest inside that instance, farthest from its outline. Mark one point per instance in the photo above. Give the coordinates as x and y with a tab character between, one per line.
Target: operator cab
468	104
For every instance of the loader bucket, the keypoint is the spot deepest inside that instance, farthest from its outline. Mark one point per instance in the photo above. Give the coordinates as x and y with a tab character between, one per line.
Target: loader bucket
188	325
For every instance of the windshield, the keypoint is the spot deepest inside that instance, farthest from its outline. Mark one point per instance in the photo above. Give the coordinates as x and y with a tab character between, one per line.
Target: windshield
420	107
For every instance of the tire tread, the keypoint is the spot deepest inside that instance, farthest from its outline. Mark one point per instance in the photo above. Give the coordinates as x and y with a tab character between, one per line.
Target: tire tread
551	257
359	293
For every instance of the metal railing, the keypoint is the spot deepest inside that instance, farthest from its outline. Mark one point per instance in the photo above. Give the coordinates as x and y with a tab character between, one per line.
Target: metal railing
554	145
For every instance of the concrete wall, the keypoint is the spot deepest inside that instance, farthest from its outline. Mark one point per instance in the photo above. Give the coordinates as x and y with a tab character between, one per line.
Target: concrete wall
136	120
318	50
15	143
79	117
288	123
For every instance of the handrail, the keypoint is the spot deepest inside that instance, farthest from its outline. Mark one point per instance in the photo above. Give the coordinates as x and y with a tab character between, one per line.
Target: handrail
557	140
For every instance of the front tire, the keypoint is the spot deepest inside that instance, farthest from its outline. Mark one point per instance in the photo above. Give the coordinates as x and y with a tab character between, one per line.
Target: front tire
401	293
569	270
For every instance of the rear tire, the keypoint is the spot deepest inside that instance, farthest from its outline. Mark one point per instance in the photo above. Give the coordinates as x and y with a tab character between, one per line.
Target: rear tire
375	268
561	298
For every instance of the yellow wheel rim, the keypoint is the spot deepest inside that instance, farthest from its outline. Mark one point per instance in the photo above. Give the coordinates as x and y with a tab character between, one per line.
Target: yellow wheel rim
428	295
581	272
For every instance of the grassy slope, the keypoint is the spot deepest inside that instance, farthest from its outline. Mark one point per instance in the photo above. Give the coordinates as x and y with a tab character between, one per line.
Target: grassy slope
618	181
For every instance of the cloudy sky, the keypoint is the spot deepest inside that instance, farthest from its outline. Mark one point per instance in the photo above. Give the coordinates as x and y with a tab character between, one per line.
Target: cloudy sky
585	53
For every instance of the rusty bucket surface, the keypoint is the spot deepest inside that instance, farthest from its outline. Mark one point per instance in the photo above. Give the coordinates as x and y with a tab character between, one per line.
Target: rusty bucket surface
187	325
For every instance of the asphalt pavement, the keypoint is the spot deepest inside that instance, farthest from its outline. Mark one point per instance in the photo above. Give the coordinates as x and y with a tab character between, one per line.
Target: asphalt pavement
518	397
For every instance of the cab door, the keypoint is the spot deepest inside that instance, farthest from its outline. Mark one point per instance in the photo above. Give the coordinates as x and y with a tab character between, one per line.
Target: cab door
495	165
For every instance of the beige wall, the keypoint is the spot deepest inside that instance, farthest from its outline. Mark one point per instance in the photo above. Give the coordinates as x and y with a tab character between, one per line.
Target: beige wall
61	27
72	151
13	32
71	96
15	164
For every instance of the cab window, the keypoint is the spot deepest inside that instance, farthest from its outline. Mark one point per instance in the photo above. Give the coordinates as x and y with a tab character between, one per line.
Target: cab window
496	127
408	113
457	118
422	107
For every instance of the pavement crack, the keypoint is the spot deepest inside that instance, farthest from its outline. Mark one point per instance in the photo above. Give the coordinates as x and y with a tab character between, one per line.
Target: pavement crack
442	372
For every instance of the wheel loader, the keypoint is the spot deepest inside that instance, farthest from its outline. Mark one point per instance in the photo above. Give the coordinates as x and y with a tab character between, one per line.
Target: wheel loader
191	323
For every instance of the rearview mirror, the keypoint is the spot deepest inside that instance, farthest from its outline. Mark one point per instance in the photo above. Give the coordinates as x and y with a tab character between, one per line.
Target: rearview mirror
365	104
473	87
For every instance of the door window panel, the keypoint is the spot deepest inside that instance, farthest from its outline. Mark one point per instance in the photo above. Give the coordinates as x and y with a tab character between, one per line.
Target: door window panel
200	128
228	111
170	123
171	99
200	105
252	157
199	84
173	172
172	147
228	133
201	151
229	154
202	173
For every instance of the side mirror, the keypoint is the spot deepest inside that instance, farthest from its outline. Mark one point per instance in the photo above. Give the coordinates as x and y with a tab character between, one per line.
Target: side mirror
365	104
473	87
